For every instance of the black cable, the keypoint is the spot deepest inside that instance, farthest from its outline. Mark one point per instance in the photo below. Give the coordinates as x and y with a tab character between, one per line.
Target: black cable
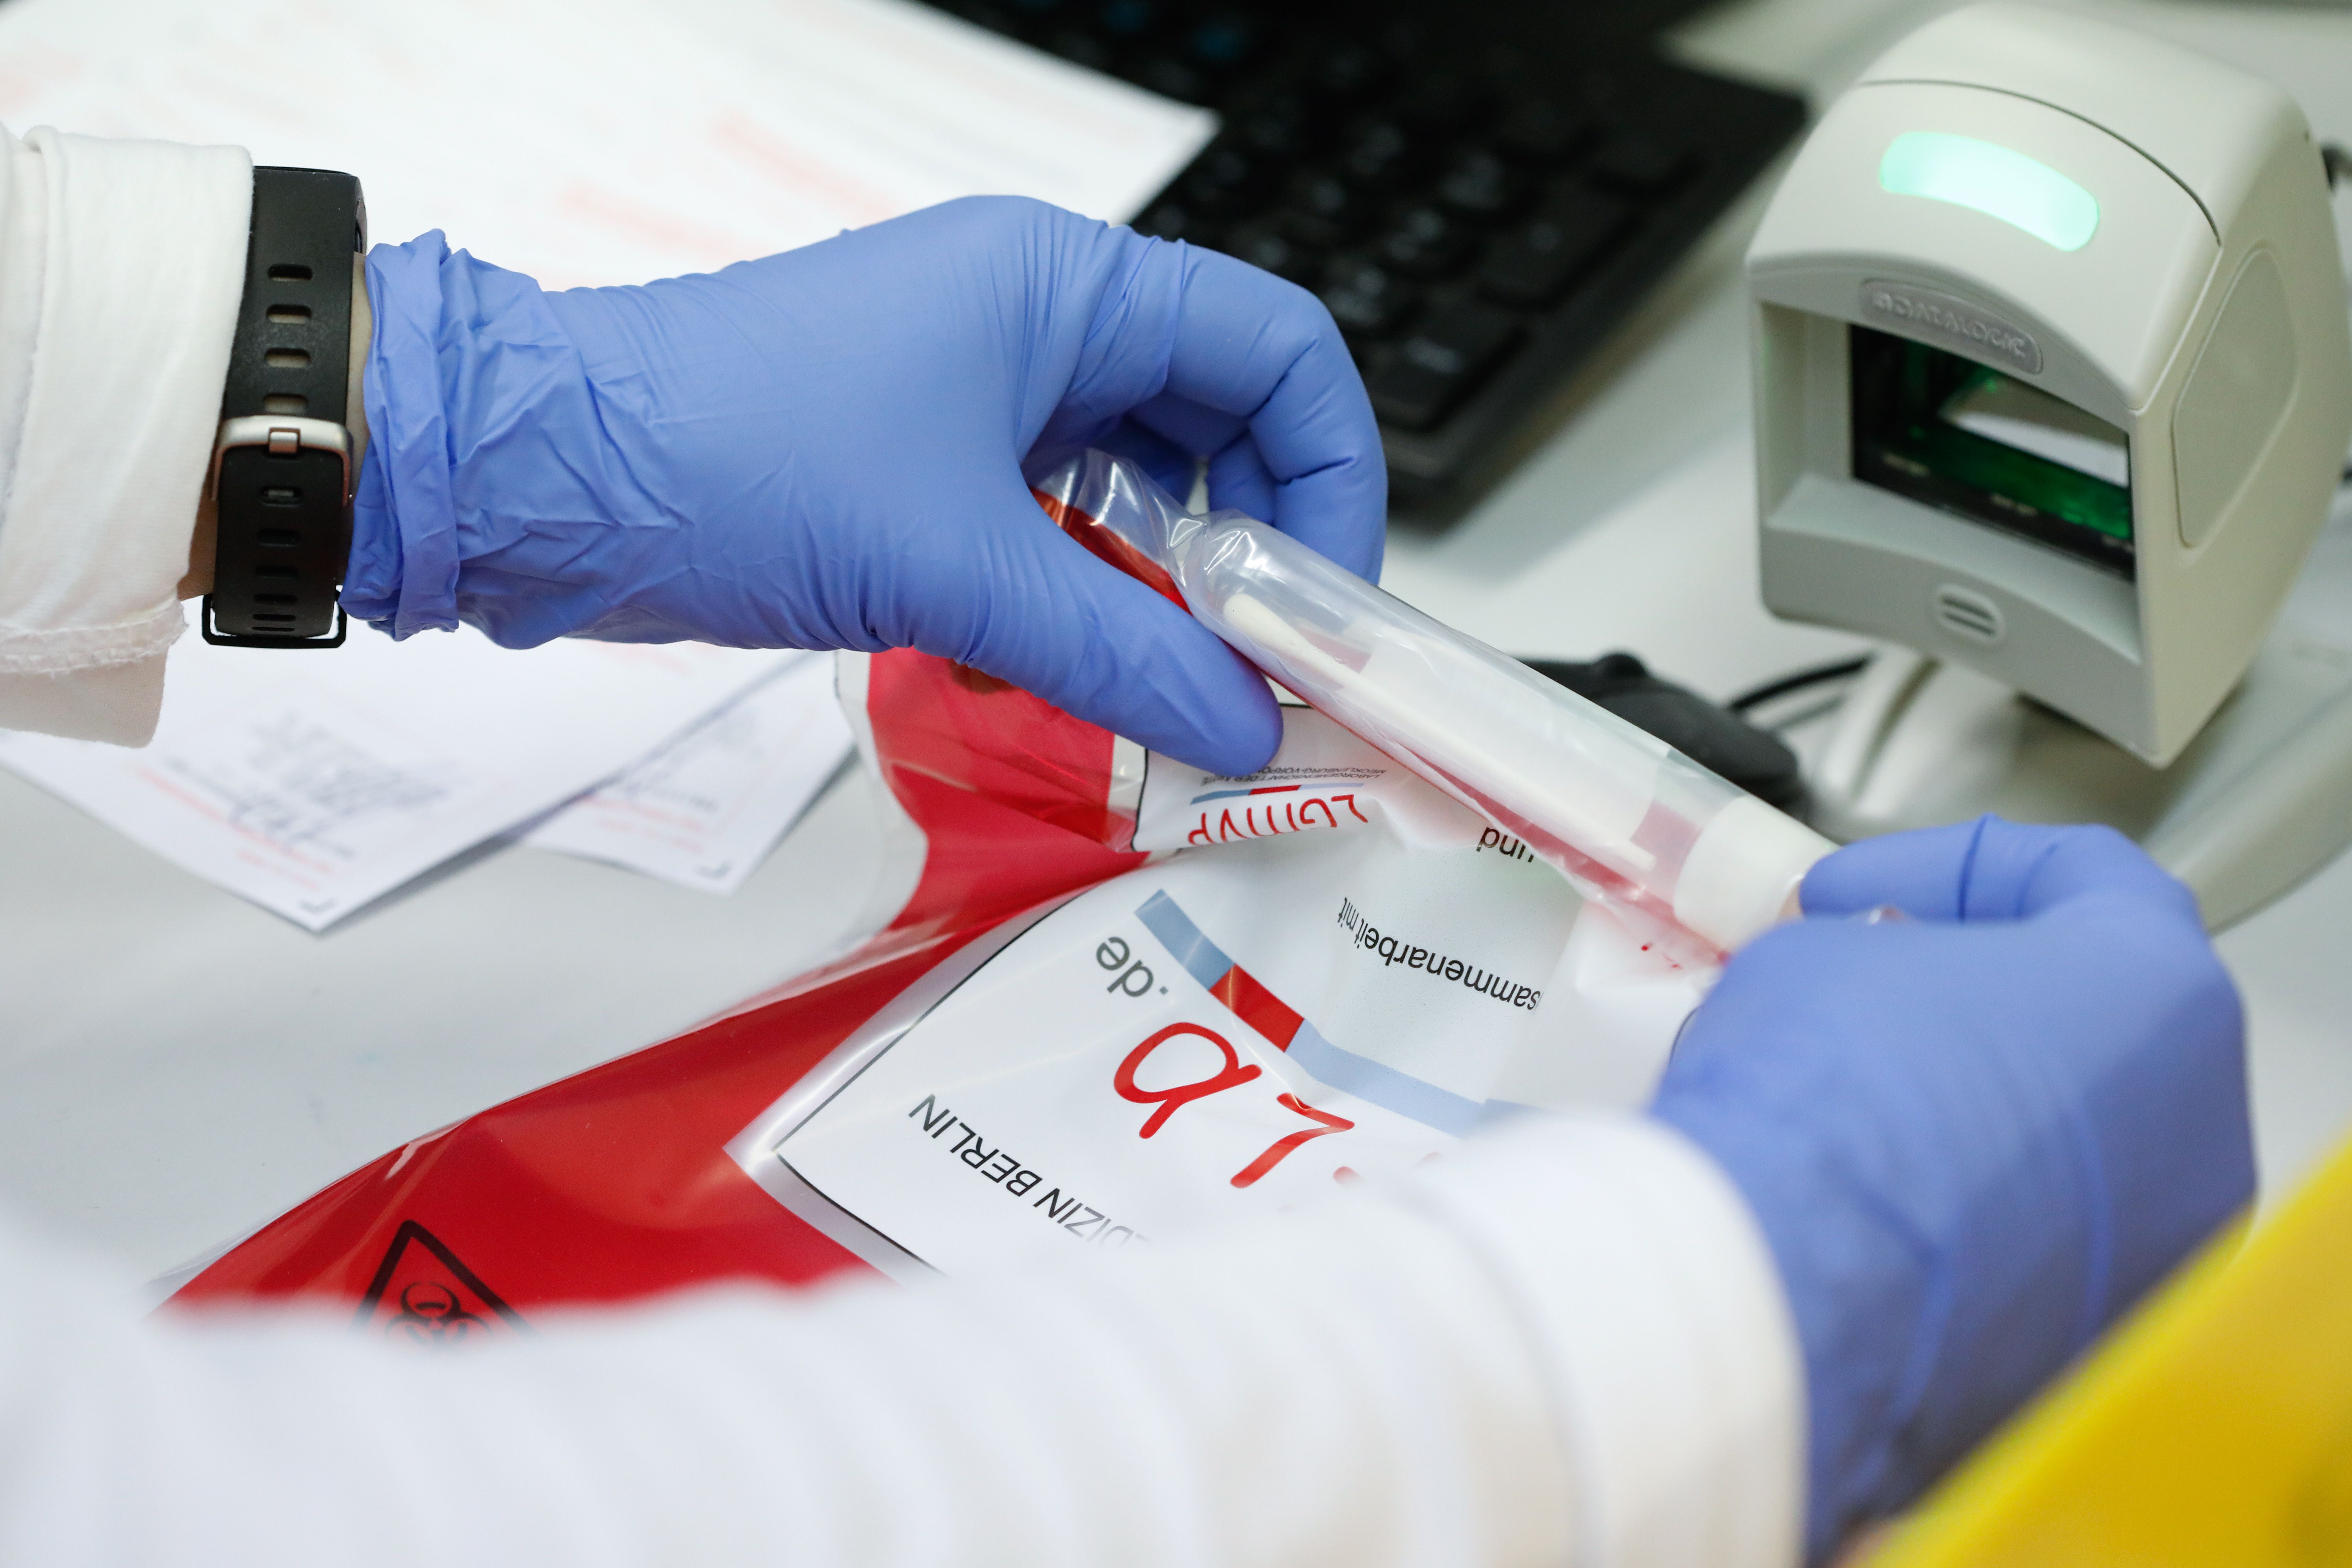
1797	682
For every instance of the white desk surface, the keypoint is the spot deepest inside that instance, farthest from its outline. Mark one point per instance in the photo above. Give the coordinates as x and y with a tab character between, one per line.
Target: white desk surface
179	1066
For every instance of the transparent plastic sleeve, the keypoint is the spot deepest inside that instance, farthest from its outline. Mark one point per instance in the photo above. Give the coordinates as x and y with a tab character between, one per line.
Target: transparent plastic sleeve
1625	816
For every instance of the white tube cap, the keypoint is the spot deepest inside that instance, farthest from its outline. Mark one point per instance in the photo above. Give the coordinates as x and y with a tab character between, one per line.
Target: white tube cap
1740	878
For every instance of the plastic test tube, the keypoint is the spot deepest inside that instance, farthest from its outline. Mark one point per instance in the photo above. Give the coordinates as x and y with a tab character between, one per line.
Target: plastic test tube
1627	818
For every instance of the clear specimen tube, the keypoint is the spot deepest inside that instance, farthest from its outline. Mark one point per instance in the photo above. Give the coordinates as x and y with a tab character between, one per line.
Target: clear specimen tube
1626	817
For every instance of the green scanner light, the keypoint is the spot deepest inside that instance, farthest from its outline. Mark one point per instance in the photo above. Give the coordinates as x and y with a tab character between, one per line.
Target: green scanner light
1992	180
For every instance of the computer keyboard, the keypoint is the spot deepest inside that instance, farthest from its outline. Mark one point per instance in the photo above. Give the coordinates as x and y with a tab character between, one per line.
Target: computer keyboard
1480	193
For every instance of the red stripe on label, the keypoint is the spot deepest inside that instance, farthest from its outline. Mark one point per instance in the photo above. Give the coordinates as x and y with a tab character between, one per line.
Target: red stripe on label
1254	1004
1275	789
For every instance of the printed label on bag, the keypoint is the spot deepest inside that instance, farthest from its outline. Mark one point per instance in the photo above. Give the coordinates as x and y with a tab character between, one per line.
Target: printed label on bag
1244	1022
1322	780
1108	1074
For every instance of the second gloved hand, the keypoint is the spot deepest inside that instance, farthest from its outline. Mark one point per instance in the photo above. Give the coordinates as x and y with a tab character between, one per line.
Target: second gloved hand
1973	1137
824	448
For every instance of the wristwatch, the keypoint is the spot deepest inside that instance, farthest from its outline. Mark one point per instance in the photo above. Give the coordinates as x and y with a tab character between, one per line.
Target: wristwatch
282	464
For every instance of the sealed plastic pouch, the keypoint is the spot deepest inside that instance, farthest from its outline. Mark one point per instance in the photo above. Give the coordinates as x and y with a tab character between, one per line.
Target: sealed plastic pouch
1627	818
1121	997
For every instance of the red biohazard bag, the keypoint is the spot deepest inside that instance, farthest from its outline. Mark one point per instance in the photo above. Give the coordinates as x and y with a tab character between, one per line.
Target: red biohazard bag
1124	995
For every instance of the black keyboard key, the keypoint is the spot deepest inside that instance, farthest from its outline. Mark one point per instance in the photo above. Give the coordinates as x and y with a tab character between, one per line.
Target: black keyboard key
1264	245
987	13
1165	220
1326	210
1642	163
1383	152
1129	18
1227	175
1445	105
1368	300
1223	41
1281	126
1425	243
1172	78
1545	132
1482	184
1081	48
1175	220
1445	359
1347	73
1531	264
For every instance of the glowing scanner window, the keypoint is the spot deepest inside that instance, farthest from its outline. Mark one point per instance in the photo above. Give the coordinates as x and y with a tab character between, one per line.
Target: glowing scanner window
1992	180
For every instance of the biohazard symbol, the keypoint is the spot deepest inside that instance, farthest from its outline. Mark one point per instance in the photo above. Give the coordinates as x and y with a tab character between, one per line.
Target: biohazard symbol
431	1318
424	1299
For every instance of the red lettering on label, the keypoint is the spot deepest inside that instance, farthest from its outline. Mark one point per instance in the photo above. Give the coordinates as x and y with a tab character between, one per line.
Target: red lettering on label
1295	816
1280	1150
1233	1075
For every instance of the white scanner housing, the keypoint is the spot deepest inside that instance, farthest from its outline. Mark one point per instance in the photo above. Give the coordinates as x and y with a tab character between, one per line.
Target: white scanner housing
2033	280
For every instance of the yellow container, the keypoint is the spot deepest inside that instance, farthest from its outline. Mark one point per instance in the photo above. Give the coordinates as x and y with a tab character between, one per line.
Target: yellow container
2213	1427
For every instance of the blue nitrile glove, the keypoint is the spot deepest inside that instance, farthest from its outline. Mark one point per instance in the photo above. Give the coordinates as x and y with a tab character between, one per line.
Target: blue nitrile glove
824	449
1973	1137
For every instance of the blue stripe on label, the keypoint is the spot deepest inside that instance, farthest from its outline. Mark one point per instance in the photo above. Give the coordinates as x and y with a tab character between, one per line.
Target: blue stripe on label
1384	1086
1365	1078
1231	794
1201	959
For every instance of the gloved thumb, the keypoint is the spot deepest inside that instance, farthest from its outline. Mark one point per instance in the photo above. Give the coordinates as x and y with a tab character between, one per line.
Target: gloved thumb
1054	620
1989	869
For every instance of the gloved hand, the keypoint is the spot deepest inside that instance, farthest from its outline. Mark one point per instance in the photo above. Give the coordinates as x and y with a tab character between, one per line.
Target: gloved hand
824	449
1972	1137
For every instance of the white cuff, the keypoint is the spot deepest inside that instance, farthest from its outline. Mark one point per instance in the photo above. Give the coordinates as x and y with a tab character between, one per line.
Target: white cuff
1652	1294
122	264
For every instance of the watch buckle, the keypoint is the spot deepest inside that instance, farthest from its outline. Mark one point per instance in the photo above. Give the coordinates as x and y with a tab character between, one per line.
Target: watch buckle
239	639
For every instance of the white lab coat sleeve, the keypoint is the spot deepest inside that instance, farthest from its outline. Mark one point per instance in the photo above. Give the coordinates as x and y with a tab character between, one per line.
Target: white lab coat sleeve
1651	1296
1568	1348
122	264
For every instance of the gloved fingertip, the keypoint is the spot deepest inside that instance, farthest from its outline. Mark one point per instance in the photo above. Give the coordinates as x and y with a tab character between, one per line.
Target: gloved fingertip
1242	741
1988	869
1919	872
2022	869
1342	511
1351	542
1251	345
1202	703
1100	646
1239	479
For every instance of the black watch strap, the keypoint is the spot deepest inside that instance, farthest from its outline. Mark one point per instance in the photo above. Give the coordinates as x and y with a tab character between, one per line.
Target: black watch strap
282	466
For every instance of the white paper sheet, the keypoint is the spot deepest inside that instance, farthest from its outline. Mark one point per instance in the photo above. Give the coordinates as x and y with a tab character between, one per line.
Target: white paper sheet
606	141
315	782
704	810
